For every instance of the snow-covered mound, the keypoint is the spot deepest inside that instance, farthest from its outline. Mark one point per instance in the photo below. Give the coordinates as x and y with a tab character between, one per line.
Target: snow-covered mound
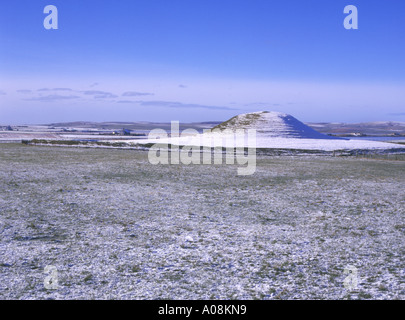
273	125
274	130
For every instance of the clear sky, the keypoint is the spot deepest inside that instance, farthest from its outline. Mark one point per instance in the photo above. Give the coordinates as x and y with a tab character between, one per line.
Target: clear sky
200	60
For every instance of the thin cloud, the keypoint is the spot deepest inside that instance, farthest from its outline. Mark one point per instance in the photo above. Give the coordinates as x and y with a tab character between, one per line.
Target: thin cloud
2	93
97	94
62	89
125	101
171	104
54	89
182	86
105	96
52	97
136	94
24	91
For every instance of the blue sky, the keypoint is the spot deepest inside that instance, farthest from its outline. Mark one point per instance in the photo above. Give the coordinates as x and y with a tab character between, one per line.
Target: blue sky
195	60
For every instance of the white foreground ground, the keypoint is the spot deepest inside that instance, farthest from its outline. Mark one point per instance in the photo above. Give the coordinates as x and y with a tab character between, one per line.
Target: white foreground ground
117	227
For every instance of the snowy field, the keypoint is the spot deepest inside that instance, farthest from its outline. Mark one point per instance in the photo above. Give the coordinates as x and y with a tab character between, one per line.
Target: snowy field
264	142
117	227
272	130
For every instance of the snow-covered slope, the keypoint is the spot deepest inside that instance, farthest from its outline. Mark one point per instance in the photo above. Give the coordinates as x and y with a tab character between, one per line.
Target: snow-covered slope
274	130
273	124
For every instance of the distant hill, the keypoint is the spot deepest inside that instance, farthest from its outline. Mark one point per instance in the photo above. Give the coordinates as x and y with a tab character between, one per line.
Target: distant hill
136	126
365	128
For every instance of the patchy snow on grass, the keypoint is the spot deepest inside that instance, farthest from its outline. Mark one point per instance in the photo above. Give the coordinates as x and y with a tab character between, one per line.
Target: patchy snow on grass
117	227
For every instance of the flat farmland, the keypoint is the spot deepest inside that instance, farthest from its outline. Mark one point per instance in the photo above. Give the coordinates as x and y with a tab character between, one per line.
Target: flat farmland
117	227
